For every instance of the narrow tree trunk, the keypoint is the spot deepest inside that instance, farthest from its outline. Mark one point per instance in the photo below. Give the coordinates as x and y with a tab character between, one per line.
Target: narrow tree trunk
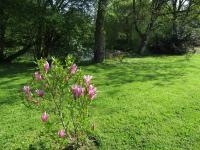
144	44
49	41
2	34
174	15
174	26
99	32
40	29
38	42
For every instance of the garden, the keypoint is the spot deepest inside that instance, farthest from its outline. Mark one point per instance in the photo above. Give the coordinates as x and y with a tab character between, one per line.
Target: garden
99	74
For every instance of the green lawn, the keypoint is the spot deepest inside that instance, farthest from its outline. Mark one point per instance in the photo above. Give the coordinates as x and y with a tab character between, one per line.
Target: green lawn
143	103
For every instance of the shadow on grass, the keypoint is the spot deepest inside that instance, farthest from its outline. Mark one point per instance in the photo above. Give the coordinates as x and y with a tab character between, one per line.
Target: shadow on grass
160	72
12	70
11	78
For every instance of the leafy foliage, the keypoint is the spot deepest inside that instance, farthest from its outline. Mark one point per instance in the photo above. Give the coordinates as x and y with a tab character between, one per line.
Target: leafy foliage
63	96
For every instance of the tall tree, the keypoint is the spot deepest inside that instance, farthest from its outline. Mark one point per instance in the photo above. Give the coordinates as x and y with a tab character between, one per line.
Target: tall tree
12	29
99	31
145	14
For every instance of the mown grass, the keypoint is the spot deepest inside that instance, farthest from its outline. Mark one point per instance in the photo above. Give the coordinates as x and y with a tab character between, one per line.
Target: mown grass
143	103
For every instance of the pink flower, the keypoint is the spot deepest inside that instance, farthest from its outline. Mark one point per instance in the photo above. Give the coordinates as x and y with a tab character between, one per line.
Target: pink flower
38	76
87	79
40	93
61	133
77	90
26	89
91	92
73	69
44	117
46	67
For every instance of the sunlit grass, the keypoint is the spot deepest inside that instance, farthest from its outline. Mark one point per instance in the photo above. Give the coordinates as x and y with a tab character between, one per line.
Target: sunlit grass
142	103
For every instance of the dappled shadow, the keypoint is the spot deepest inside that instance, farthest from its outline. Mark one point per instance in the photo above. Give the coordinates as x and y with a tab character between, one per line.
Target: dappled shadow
11	80
12	70
11	73
160	72
9	99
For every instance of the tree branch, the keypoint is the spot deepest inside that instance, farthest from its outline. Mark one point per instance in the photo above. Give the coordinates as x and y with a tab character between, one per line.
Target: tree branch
17	54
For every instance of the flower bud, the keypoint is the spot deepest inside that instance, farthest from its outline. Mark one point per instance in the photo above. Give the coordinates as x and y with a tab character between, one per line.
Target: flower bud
91	92
46	67
37	76
73	69
26	89
44	117
87	79
61	133
40	93
77	90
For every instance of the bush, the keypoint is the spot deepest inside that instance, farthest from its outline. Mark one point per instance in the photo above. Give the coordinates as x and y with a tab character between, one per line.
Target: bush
164	42
63	95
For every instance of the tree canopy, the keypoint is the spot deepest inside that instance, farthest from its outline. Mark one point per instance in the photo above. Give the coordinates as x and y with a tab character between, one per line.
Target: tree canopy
89	29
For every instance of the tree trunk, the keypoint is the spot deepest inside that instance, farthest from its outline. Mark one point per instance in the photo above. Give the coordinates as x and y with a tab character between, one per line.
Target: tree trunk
49	41
2	36
38	43
174	18
99	32
40	23
143	46
144	50
3	20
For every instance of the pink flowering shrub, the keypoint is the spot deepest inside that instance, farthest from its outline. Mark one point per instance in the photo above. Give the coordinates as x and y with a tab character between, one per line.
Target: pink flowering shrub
63	96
